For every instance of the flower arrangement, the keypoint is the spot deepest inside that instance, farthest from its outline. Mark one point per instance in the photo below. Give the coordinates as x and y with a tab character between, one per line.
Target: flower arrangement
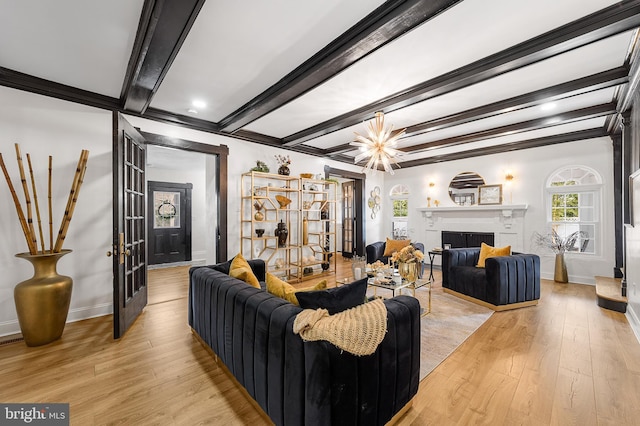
283	160
408	254
554	242
261	166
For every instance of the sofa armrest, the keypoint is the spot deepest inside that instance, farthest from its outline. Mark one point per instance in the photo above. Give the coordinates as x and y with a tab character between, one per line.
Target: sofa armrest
375	251
513	279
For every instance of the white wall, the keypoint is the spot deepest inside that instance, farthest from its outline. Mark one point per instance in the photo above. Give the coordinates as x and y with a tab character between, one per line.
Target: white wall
43	127
531	169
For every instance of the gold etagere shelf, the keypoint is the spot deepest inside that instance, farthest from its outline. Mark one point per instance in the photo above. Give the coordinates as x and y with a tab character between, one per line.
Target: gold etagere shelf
306	208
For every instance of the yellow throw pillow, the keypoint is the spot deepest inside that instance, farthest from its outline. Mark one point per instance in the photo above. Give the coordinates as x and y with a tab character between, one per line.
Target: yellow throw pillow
393	246
486	251
241	270
286	291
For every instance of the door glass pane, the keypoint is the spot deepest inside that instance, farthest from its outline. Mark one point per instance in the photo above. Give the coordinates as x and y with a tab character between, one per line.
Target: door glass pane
166	209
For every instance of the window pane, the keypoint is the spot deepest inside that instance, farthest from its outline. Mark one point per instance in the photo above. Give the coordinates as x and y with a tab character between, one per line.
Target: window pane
586	214
400	208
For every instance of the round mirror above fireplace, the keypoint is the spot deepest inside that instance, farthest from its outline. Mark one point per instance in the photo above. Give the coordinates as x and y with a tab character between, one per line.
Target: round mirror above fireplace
463	188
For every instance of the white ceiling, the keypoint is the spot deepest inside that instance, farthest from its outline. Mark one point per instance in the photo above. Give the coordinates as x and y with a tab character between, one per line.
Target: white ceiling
235	51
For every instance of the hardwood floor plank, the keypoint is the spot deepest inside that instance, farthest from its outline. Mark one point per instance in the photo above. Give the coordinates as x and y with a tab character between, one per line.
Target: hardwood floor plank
565	361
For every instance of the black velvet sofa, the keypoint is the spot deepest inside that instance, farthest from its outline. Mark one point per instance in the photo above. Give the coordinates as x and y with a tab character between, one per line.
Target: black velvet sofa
297	382
506	282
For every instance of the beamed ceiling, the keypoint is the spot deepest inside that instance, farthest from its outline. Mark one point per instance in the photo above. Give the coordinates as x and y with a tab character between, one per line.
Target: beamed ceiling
465	77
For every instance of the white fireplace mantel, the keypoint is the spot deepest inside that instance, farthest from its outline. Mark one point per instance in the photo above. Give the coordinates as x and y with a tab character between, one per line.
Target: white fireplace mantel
505	221
504	211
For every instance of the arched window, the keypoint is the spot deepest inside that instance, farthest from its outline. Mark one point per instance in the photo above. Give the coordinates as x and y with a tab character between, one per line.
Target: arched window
573	200
399	195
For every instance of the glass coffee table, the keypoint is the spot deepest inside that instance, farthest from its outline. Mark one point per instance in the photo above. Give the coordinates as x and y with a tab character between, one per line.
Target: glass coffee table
389	284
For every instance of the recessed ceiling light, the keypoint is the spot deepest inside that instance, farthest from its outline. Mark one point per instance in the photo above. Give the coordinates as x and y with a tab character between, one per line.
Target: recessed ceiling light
548	106
199	104
192	111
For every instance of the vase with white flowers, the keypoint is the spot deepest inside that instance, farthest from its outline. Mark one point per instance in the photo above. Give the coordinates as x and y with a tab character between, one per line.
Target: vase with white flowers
559	245
283	162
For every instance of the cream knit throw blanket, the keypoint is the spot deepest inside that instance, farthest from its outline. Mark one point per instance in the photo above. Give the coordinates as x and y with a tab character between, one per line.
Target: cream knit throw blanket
357	330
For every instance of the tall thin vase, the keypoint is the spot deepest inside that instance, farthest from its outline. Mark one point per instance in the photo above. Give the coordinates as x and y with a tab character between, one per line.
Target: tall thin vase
42	302
560	273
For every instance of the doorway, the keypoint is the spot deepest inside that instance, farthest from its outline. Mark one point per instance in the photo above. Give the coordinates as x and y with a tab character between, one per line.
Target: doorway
169	222
358	218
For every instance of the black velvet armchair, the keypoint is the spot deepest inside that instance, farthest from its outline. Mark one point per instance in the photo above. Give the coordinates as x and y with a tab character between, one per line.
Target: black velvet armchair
506	282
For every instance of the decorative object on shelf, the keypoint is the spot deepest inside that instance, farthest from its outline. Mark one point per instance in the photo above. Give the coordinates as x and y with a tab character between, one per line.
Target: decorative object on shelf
325	265
378	145
283	201
374	201
490	194
283	162
559	245
324	211
306	175
42	302
306	205
307	271
282	233
436	203
259	232
279	263
428	201
305	231
258	215
261	166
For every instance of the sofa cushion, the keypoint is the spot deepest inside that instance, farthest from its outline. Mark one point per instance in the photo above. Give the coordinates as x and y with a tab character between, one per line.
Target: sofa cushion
487	251
335	299
470	280
286	291
392	246
241	270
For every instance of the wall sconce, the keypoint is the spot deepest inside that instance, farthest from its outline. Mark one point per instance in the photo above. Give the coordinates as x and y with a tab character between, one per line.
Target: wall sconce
508	177
432	184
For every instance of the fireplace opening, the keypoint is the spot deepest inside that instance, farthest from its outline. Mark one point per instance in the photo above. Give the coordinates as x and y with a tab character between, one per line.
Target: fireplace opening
457	239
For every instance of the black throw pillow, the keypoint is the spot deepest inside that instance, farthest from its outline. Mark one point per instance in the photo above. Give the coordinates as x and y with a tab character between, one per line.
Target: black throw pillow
335	299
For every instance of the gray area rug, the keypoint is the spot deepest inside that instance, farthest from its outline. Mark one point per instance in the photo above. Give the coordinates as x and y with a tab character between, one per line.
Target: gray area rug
451	321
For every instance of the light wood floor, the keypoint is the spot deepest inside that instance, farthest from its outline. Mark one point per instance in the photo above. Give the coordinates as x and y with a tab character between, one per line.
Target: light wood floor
564	362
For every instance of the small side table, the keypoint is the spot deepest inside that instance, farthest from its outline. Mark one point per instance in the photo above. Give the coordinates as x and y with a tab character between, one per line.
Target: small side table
432	256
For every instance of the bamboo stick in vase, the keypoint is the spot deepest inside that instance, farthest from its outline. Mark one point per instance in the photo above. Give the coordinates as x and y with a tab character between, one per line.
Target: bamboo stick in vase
16	202
35	201
73	198
50	207
33	247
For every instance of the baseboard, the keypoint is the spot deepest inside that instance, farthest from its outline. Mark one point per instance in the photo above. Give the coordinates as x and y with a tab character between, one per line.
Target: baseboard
497	308
632	317
78	314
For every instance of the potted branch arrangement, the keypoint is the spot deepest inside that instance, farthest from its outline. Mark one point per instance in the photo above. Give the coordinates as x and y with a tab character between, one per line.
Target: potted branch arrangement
559	245
42	302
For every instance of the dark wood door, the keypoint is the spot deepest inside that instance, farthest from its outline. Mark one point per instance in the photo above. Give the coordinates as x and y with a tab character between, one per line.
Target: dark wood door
129	225
348	219
169	229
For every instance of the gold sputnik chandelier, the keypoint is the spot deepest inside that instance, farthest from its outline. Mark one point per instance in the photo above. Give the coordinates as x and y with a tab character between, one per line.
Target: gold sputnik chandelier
379	145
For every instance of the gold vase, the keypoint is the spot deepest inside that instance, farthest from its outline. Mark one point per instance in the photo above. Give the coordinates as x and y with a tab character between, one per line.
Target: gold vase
42	302
408	271
560	273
